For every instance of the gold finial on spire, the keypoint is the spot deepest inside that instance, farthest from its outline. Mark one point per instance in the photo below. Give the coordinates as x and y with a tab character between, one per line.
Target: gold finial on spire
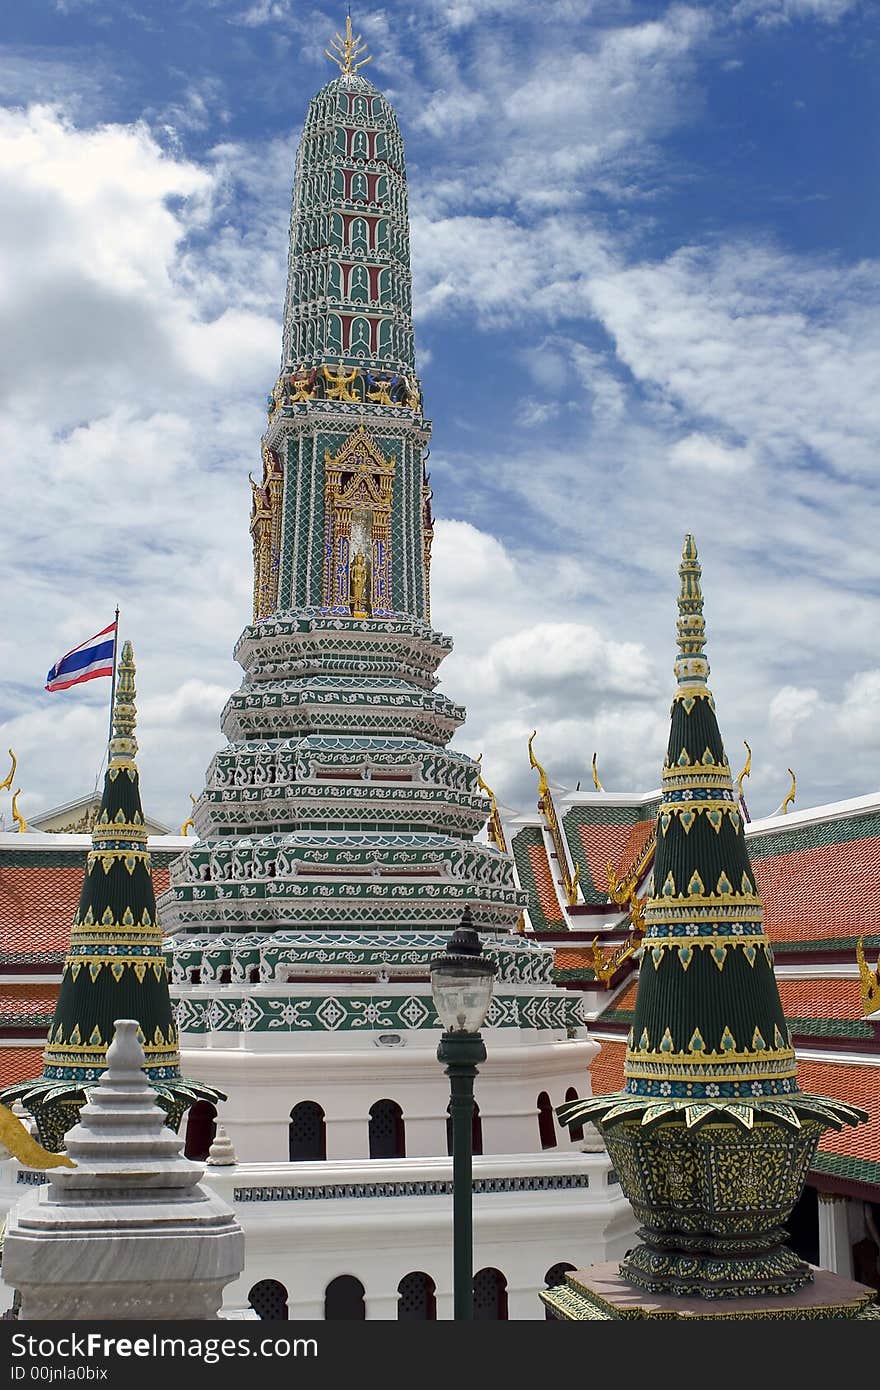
596	783
789	800
188	824
6	786
344	51
16	814
691	666
123	744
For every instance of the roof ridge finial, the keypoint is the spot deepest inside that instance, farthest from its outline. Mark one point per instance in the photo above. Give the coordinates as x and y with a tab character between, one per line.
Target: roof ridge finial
123	744
344	51
691	666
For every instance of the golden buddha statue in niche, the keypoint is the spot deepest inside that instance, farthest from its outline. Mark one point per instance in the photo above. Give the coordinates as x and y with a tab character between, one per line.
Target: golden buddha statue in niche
359	586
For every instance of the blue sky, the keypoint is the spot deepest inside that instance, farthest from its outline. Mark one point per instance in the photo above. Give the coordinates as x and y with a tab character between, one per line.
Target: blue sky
645	291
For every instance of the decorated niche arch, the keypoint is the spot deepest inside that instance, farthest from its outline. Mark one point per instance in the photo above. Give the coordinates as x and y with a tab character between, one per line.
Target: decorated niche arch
358	482
266	533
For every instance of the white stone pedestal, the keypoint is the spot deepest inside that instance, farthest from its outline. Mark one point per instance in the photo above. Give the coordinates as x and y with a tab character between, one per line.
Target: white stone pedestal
129	1232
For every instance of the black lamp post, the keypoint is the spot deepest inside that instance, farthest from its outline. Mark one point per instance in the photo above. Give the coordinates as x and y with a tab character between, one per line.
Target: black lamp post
461	982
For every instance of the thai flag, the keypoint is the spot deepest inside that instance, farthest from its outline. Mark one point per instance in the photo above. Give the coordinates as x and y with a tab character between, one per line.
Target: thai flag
91	658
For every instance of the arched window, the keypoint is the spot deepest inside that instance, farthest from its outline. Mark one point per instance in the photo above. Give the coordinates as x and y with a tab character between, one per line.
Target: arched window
344	1300
417	1298
361	337
556	1273
359	291
201	1125
308	1132
576	1131
268	1299
476	1130
387	1135
546	1127
490	1296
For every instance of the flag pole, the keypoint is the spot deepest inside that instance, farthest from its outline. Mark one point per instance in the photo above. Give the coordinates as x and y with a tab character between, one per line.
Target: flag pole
113	680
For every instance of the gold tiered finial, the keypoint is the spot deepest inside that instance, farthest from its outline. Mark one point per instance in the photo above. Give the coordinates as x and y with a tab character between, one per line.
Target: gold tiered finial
123	744
691	666
344	51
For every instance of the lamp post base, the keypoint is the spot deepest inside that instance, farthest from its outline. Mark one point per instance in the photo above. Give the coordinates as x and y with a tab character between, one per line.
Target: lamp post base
461	1055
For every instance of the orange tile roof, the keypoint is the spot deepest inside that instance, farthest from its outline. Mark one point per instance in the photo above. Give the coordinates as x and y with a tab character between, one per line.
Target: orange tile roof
23	1001
638	837
37	905
544	884
626	1000
603	845
573	958
606	1072
829	890
859	1085
821	998
20	1063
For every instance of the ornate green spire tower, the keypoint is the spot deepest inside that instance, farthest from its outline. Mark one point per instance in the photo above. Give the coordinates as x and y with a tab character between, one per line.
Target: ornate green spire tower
336	770
337	831
341	521
115	965
711	1136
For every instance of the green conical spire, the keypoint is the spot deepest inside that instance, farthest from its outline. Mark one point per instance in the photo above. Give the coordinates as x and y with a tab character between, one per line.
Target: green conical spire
708	1033
711	1136
115	966
708	1020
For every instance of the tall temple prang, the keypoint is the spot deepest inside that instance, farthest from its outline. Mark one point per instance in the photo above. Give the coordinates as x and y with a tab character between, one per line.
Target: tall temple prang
337	830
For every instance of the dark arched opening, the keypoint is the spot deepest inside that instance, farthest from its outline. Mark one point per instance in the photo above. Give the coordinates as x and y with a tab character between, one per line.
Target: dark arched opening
201	1126
417	1298
387	1135
307	1132
576	1131
803	1226
546	1127
344	1300
490	1296
268	1299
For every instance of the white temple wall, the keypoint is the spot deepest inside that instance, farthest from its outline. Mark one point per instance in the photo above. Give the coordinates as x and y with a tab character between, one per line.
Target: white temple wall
262	1088
522	1233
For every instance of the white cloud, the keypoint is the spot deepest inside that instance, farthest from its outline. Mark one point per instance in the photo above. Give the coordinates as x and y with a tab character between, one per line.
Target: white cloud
791	706
701	451
772	13
858	718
